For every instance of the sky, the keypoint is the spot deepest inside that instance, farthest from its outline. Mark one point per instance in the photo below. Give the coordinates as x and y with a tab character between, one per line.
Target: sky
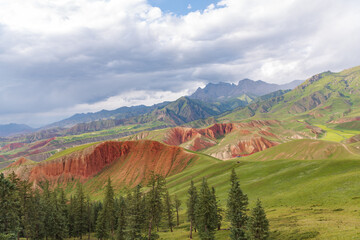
58	58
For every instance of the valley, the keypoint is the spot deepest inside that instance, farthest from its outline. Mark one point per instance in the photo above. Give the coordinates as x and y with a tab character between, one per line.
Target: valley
296	150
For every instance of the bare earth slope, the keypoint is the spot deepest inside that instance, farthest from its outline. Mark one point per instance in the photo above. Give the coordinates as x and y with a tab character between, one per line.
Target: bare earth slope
128	163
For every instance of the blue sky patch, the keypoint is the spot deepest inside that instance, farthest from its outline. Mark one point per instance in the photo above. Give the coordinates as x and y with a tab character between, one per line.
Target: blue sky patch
181	7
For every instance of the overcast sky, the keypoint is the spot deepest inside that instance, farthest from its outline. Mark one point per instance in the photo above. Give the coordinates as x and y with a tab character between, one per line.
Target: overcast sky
58	58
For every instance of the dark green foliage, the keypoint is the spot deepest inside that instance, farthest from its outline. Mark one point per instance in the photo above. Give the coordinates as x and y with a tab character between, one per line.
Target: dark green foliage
135	218
191	206
236	209
80	212
219	210
169	211
36	217
154	201
259	225
9	204
177	208
206	213
121	224
105	224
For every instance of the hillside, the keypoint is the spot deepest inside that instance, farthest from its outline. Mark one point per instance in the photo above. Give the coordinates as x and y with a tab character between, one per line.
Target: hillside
307	149
132	161
322	98
304	199
229	140
119	113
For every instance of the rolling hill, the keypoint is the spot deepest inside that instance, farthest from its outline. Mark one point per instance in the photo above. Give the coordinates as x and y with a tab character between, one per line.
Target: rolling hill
322	98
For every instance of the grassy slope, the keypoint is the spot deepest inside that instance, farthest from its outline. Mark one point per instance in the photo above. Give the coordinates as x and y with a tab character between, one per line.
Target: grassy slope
302	197
337	135
339	94
307	149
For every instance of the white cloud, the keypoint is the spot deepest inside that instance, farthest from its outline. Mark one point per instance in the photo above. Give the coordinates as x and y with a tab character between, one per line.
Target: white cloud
66	54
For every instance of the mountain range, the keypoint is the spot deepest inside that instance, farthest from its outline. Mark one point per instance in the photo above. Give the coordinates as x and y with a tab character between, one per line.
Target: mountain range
298	150
222	91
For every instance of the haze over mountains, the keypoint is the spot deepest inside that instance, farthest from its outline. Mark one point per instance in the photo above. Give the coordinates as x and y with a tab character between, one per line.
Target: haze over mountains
241	94
222	91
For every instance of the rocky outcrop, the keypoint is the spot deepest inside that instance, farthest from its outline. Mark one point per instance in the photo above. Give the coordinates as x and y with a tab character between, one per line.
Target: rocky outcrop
22	168
198	139
12	146
129	162
244	148
178	135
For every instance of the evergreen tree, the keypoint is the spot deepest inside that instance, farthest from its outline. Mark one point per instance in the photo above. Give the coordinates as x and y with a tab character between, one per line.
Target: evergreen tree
109	207
259	225
9	204
71	217
191	206
89	213
206	213
105	223
236	209
121	226
169	211
63	211
80	212
135	219
59	230
36	217
101	226
154	201
177	208
219	210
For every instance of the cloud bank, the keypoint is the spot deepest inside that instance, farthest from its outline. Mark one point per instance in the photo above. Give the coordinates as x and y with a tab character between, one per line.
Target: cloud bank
62	57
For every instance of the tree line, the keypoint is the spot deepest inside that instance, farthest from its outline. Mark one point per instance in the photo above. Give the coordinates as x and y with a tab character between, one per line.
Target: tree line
46	213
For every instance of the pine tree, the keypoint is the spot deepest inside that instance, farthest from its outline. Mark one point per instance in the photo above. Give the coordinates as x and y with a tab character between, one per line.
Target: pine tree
89	212
71	217
135	219
206	213
121	226
177	208
236	209
219	210
154	201
259	225
101	226
191	206
59	230
36	217
105	224
9	219
169	211
80	212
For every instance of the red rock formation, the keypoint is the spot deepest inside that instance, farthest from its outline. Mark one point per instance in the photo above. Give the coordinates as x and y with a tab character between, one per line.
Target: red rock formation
266	133
250	146
42	143
201	143
217	130
127	162
21	168
12	146
21	161
178	135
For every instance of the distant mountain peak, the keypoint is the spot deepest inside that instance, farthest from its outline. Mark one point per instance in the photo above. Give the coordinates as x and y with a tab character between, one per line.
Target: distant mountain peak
223	91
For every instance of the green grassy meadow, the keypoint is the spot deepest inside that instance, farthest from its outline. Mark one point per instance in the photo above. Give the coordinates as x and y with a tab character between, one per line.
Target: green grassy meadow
304	199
